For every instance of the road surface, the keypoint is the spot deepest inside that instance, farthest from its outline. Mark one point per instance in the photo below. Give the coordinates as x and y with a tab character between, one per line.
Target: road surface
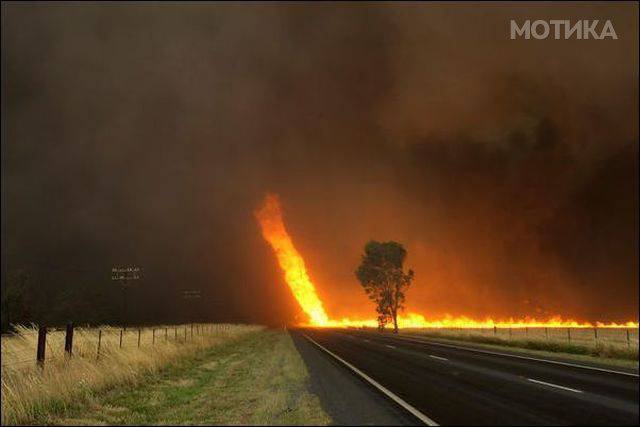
343	396
459	385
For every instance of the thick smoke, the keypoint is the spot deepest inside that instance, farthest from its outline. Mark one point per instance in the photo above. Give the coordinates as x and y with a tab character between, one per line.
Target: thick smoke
148	134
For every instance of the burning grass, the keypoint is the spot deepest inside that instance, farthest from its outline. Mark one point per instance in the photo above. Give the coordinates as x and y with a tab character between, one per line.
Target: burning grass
28	392
270	217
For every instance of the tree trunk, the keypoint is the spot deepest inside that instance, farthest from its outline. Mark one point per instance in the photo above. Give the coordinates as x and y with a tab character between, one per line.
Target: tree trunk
395	321
394	311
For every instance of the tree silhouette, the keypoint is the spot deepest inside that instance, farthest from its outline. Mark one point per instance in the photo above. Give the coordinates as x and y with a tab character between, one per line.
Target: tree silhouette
382	276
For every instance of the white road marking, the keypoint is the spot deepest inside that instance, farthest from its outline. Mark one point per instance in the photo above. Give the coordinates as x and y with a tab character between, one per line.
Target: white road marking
555	362
554	385
390	346
422	417
438	357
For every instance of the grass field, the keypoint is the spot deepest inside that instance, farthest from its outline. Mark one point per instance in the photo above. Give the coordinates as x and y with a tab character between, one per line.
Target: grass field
258	378
605	343
29	393
614	337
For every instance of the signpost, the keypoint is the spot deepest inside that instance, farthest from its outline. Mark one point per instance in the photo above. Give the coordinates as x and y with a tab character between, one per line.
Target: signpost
190	296
124	275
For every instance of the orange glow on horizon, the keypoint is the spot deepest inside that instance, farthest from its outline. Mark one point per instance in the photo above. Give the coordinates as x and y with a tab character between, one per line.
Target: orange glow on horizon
415	320
269	217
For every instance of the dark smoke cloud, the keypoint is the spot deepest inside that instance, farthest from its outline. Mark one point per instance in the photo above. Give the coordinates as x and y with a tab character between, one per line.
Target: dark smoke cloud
148	134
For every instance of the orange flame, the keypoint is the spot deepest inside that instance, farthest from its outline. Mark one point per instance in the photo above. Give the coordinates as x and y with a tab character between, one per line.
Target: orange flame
415	320
273	230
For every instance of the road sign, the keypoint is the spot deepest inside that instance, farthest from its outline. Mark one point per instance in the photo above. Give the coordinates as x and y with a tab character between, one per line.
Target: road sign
191	294
125	273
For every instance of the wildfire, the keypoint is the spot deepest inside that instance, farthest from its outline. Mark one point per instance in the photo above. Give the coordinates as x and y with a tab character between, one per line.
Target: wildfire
295	273
415	320
274	232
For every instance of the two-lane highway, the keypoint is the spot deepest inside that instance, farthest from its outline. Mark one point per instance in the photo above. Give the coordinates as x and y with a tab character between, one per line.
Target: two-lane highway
456	384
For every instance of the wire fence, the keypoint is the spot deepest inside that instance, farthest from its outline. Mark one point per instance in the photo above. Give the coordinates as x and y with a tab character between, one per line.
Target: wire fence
621	337
42	345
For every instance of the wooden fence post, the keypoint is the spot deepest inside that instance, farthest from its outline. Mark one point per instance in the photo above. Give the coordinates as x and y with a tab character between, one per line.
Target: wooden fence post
175	330
139	332
121	331
569	334
99	342
153	338
68	340
185	333
595	334
509	332
495	330
42	342
628	340
166	334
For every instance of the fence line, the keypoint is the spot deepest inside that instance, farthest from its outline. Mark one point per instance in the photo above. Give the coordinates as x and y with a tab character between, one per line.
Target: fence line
618	336
47	350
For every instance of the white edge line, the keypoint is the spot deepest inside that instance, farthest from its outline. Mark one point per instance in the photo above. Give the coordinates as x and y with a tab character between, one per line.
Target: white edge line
438	357
554	385
390	346
422	417
574	365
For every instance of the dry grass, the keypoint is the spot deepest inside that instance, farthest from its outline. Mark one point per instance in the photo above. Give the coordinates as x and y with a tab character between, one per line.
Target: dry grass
613	343
259	379
28	391
582	336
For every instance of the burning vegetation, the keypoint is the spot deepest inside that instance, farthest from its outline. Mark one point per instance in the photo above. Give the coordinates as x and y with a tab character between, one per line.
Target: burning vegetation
270	218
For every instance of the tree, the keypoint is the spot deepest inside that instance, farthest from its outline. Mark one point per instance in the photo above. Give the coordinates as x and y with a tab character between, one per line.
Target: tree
16	298
382	276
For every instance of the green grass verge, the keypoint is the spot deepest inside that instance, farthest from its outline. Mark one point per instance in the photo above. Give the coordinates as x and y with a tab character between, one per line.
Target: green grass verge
600	353
256	379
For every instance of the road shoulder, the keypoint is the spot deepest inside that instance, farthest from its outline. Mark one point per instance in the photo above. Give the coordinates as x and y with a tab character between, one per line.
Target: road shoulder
347	399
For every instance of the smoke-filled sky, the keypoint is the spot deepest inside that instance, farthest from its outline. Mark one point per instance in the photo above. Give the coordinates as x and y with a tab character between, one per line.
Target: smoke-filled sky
148	135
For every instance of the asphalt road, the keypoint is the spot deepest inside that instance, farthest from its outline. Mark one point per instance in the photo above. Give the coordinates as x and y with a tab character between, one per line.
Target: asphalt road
344	397
455	385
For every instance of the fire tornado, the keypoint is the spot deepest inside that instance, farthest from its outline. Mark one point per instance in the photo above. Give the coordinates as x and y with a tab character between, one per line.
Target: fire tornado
273	230
275	233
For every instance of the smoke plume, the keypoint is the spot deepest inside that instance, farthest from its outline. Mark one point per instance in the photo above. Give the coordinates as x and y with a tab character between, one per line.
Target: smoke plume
148	135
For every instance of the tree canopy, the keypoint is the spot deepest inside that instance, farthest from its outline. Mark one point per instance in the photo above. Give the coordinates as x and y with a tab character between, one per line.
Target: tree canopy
382	276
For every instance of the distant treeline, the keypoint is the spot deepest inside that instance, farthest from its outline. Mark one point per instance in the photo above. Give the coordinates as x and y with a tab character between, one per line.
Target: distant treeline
42	296
26	299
